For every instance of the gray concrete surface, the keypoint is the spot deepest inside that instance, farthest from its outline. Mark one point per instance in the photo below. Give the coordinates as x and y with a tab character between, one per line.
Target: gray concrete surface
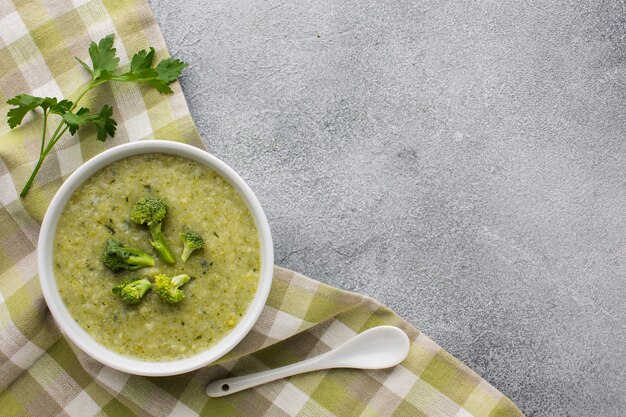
462	162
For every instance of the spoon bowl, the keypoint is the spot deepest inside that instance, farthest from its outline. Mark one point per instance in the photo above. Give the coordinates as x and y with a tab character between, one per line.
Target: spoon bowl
376	348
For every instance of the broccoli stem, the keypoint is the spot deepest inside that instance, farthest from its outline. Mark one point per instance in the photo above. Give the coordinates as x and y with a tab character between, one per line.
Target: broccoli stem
159	243
179	280
141	260
186	252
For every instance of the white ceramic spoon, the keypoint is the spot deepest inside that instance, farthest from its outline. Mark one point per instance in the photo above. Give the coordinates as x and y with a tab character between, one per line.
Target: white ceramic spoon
376	348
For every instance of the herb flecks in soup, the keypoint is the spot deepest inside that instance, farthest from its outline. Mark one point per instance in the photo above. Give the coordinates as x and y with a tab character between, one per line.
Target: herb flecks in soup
224	272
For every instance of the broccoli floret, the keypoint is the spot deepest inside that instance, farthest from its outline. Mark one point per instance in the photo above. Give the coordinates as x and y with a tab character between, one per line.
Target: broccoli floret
132	291
191	242
151	211
167	288
116	256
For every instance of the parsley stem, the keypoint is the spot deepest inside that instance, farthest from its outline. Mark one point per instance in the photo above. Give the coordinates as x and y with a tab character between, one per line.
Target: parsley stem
32	176
80	96
52	143
56	131
43	135
29	183
42	156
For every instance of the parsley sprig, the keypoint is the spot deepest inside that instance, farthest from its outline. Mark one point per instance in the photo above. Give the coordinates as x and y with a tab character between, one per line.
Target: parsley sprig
104	64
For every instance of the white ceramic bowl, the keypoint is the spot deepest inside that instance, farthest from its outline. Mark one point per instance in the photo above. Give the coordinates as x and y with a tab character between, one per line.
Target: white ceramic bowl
79	336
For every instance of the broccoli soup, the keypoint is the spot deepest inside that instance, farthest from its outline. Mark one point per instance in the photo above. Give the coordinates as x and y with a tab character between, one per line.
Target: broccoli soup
118	257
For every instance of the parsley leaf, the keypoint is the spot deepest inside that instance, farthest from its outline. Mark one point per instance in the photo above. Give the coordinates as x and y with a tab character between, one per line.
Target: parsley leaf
48	103
104	123
103	57
142	60
76	120
159	77
169	69
61	107
24	103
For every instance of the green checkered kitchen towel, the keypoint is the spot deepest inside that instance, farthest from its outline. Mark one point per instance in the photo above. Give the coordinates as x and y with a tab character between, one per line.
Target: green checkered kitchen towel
42	374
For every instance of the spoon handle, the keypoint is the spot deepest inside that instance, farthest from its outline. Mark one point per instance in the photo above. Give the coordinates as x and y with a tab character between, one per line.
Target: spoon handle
228	386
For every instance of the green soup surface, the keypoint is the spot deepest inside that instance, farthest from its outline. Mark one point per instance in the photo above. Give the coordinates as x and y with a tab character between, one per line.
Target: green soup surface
225	273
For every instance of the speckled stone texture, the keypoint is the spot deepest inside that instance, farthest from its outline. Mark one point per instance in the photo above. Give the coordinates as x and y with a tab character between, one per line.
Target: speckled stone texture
462	162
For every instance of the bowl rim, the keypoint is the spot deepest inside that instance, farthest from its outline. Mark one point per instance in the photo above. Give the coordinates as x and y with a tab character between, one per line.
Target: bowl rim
77	334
